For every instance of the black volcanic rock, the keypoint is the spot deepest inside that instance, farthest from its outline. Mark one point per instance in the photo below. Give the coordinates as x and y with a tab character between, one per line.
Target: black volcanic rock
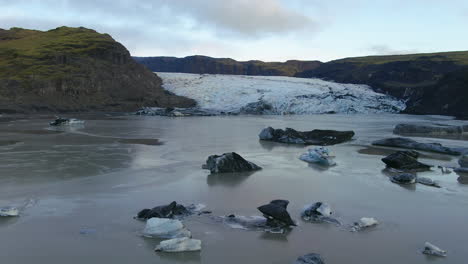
74	69
164	211
406	161
203	64
412	144
275	212
229	162
314	137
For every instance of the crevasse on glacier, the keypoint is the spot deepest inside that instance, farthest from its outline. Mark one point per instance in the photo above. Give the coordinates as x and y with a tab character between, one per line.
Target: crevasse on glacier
285	95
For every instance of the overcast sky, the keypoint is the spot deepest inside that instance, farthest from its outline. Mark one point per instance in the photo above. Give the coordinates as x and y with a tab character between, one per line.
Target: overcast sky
270	30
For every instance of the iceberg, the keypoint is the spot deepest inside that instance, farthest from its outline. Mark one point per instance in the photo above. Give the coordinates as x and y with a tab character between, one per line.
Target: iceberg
165	228
319	155
183	244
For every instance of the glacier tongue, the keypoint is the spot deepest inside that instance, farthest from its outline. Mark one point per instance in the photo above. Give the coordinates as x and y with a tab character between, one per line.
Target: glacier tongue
286	95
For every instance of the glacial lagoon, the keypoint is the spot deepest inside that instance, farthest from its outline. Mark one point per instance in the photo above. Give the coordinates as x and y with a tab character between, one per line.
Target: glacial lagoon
78	189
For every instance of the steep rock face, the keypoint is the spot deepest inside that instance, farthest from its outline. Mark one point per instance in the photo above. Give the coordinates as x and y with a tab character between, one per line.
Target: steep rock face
74	69
203	64
432	83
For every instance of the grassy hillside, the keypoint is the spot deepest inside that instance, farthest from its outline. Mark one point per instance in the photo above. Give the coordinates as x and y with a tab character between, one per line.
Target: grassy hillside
73	69
457	57
25	53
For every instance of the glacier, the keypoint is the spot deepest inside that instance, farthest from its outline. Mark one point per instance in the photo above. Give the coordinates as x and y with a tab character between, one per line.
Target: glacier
283	95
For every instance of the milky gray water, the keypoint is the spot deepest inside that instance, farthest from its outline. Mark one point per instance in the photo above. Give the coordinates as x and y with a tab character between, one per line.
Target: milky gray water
79	188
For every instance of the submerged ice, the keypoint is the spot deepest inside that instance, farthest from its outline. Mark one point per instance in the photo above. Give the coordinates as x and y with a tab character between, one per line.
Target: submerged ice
278	95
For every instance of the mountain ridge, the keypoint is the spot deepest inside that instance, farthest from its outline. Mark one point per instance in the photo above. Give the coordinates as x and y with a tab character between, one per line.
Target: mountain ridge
208	65
431	83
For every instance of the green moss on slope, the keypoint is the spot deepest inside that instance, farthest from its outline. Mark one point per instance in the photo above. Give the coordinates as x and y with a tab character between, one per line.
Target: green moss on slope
74	69
25	53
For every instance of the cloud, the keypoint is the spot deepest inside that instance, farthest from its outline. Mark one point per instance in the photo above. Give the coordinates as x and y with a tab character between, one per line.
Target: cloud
169	27
244	18
387	50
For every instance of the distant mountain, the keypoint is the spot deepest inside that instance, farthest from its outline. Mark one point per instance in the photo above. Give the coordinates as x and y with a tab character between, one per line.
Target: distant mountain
74	69
203	64
432	83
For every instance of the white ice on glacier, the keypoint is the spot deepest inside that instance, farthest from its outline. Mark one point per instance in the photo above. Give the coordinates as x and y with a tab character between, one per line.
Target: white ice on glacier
286	95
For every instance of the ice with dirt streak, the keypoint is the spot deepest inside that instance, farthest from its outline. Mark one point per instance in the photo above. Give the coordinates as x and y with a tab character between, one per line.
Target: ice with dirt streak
286	95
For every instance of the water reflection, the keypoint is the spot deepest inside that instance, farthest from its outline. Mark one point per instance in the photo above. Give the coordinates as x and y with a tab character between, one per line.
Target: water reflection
462	177
387	151
270	145
276	237
228	179
8	220
318	167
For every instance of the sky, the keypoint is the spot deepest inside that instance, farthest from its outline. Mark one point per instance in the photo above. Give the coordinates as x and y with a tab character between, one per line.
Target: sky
269	30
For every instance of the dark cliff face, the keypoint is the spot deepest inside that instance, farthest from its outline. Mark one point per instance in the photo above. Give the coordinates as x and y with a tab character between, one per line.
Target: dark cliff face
74	69
432	83
203	64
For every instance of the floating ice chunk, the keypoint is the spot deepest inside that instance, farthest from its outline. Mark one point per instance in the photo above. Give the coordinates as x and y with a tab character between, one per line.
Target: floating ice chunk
317	209
319	212
9	211
245	222
179	245
165	228
319	155
60	121
310	259
428	182
364	222
431	249
196	208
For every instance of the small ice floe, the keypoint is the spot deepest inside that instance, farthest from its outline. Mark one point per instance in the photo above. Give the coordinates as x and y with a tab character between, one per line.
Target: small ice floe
9	211
165	228
433	250
183	244
318	212
428	182
253	223
363	223
319	155
310	259
197	208
169	211
444	170
276	214
404	178
60	121
87	231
